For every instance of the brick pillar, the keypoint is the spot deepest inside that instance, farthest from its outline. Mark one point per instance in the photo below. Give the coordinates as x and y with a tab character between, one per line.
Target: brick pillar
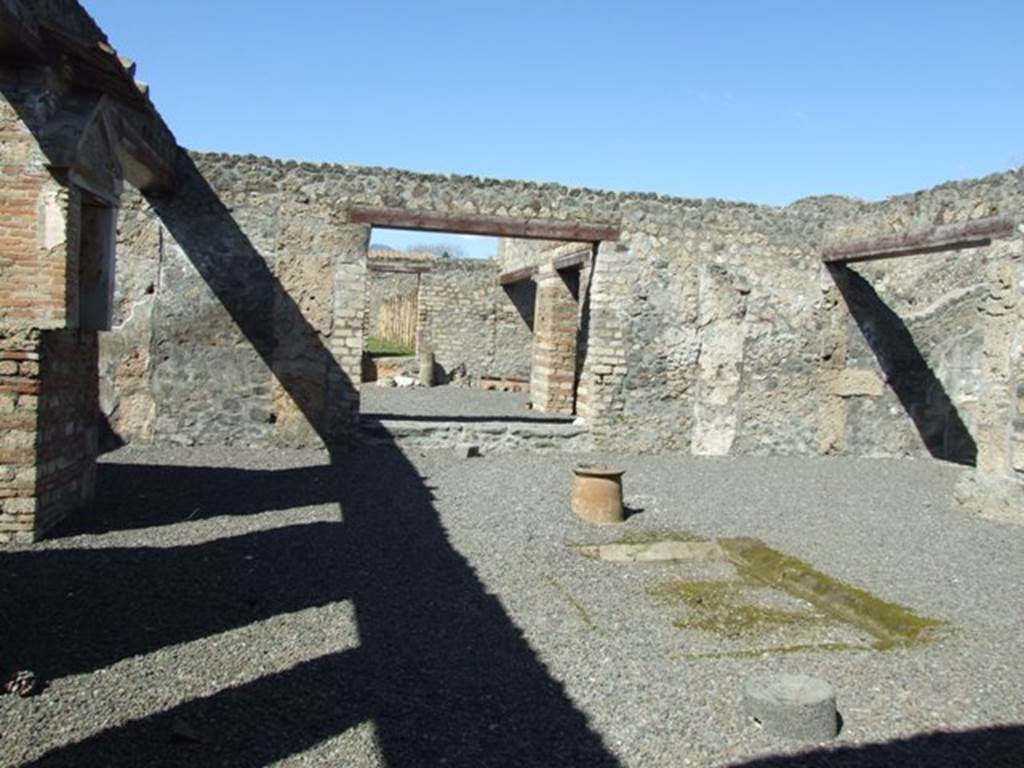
49	408
553	370
19	420
347	336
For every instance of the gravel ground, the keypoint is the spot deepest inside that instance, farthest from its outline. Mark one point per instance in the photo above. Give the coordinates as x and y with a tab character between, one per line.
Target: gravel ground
449	403
272	608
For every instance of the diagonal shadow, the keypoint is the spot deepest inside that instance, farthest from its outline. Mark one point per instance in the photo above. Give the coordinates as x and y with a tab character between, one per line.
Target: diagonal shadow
995	747
441	669
919	390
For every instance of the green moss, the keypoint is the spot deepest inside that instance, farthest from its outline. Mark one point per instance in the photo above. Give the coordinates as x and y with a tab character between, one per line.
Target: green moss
784	649
893	625
377	347
719	607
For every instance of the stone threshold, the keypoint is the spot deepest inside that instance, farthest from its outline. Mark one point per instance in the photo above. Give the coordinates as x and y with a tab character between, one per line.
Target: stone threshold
488	436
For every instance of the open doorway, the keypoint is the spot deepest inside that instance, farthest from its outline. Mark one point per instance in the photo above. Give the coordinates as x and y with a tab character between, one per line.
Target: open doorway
497	322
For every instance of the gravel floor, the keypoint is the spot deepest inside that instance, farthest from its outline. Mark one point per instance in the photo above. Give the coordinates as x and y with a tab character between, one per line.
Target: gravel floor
264	608
448	403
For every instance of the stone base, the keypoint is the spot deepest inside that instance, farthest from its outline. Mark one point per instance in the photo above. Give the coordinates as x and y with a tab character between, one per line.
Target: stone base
792	706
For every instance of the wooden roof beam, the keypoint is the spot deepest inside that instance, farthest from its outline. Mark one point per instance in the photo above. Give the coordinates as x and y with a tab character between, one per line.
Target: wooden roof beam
946	237
473	224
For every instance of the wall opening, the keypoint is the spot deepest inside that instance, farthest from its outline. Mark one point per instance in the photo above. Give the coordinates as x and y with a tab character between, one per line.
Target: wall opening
502	347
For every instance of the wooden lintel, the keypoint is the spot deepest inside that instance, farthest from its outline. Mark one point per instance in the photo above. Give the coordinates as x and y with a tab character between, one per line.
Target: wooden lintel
946	237
471	224
401	268
516	275
573	260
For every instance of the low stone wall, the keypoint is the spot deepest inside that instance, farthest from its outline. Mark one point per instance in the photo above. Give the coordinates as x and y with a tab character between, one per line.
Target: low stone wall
486	437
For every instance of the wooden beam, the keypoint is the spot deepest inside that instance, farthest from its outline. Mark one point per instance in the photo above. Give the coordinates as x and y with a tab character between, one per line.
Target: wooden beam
401	268
573	260
516	275
471	224
947	237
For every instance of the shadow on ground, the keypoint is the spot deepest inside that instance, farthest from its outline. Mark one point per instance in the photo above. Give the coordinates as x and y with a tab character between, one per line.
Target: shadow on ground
441	670
995	747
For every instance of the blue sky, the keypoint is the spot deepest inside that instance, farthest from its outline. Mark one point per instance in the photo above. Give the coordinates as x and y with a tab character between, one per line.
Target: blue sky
758	101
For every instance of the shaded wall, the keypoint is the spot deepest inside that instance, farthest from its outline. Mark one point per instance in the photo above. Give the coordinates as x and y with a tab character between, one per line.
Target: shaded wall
924	351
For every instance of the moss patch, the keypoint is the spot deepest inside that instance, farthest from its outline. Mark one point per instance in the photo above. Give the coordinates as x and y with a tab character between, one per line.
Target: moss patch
893	625
719	607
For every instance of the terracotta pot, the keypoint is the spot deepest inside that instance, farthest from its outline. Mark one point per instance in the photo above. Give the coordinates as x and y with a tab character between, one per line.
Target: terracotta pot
597	494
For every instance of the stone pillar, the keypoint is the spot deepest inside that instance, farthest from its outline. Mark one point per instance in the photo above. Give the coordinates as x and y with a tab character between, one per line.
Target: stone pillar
832	354
553	372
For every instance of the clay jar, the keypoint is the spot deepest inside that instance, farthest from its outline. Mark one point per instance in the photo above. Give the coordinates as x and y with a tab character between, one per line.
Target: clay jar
597	494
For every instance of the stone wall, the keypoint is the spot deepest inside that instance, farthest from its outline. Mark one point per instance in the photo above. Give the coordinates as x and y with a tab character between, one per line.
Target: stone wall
925	351
239	316
710	327
471	323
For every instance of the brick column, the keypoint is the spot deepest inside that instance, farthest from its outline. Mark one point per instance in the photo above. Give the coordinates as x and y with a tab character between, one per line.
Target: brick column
49	407
19	420
553	372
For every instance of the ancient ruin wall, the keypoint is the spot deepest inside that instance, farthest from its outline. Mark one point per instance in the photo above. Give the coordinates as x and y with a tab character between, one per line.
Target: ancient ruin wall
924	351
710	323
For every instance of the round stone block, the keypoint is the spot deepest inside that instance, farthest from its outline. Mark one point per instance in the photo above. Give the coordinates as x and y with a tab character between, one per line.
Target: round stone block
793	706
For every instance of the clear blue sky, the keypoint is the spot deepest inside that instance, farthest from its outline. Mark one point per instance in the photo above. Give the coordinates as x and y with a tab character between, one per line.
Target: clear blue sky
757	101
